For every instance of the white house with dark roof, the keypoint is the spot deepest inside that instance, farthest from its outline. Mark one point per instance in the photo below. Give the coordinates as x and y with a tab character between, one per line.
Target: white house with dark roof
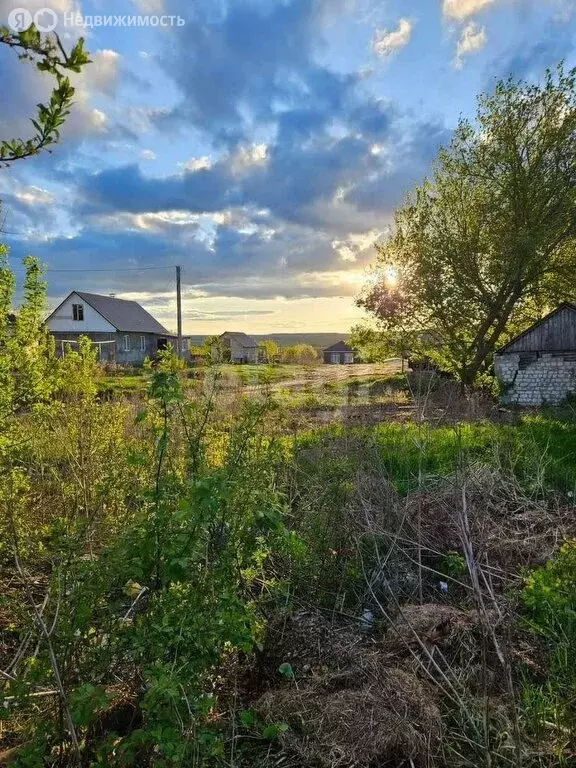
123	330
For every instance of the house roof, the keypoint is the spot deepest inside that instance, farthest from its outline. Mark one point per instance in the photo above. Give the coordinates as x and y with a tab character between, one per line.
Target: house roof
124	315
242	338
340	346
559	308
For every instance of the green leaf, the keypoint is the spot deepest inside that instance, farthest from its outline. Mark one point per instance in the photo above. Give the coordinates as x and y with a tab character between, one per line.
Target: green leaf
272	732
286	670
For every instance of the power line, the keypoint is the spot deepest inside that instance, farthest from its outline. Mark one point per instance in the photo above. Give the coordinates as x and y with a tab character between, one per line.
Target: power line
111	269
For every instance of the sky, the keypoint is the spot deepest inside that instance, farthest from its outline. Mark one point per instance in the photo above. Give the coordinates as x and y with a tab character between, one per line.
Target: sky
263	145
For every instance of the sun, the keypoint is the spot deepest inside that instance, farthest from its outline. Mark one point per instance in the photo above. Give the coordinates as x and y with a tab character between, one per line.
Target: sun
391	277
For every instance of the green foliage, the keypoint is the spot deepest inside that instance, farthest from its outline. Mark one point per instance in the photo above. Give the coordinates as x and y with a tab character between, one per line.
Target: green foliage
487	244
549	596
156	557
49	55
452	564
286	670
27	364
539	450
269	351
302	354
252	722
377	345
550	593
215	351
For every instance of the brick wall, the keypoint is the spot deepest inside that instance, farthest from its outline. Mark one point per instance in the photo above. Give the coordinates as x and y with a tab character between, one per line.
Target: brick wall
536	378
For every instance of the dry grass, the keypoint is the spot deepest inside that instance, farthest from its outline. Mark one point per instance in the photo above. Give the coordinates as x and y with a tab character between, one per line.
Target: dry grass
510	530
375	716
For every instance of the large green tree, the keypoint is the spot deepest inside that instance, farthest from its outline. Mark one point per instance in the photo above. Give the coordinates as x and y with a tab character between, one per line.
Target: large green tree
488	242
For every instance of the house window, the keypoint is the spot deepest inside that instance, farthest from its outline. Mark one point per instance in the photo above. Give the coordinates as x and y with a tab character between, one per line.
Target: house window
126	343
348	358
335	358
142	343
78	311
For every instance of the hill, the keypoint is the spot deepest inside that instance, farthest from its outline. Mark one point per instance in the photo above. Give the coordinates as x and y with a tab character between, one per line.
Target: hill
317	340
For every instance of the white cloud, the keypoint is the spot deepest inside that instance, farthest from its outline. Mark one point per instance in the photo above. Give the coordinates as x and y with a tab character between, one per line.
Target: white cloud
355	244
147	154
387	41
198	163
462	9
472	40
102	74
34	196
248	156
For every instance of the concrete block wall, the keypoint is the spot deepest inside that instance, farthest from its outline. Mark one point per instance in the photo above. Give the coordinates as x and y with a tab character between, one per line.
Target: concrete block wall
548	379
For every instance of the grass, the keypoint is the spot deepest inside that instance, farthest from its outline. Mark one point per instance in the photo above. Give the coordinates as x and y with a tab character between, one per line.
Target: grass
111	386
539	450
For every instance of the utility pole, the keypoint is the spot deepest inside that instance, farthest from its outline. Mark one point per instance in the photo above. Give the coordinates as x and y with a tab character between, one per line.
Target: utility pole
179	309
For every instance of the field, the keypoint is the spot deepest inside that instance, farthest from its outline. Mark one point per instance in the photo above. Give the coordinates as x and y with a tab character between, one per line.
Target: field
286	566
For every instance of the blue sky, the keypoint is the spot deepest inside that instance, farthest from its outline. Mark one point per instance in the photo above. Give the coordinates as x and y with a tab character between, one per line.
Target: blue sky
263	145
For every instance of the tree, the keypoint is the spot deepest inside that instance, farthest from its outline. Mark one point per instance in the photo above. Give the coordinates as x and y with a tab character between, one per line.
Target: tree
487	244
27	363
302	354
377	345
269	351
49	55
215	350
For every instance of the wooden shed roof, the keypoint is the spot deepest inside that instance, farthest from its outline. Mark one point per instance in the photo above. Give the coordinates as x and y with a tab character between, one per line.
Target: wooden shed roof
546	334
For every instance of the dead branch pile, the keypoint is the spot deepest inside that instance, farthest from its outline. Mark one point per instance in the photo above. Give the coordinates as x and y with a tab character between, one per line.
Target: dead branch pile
509	529
444	643
361	718
311	644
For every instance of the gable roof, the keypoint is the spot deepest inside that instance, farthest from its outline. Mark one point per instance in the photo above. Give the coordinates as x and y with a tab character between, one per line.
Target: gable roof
340	346
124	315
565	305
242	338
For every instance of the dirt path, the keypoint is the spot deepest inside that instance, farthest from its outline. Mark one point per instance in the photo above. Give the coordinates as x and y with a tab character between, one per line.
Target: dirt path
324	374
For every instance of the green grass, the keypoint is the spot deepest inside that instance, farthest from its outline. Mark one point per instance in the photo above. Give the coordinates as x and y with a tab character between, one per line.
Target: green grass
123	385
540	450
263	374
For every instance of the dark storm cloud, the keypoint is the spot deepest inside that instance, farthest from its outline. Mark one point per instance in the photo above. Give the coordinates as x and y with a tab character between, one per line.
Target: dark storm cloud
126	189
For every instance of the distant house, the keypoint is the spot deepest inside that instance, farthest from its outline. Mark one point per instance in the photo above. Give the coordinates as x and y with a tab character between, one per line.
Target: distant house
539	366
242	348
339	354
123	331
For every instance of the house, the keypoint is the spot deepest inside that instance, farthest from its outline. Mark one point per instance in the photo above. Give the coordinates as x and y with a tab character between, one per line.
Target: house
339	354
123	331
539	366
241	347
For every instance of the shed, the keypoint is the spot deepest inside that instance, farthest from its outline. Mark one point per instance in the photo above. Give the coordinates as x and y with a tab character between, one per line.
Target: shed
339	354
242	348
538	366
